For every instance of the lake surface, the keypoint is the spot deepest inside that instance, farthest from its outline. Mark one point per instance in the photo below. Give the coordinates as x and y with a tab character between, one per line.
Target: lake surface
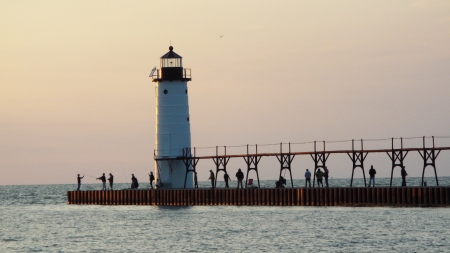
36	218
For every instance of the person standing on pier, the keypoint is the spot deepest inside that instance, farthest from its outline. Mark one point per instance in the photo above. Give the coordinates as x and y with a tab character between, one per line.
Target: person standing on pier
212	178
103	178
134	182
152	178
111	181
279	183
226	177
307	178
325	175
404	174
319	175
79	181
240	177
372	173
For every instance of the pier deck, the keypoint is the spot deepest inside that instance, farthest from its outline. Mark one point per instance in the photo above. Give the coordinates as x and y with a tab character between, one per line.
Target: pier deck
342	196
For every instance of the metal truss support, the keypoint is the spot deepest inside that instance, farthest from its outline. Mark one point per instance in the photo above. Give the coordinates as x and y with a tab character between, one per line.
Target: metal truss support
252	164
429	156
358	158
221	163
286	161
320	159
397	157
190	162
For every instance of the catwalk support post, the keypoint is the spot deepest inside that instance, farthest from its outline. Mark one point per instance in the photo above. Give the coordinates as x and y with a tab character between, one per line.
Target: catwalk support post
286	161
429	156
397	157
320	158
190	162
358	158
252	164
220	162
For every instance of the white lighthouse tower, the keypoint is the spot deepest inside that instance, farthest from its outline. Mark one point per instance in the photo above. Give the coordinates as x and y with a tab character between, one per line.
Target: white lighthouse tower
173	131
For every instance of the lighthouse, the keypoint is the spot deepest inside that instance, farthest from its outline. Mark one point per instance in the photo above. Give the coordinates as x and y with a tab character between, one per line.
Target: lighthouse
173	133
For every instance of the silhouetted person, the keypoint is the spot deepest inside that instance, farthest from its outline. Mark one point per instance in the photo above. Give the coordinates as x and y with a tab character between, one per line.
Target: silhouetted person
111	180
319	175
372	173
325	175
280	182
404	174
103	178
226	177
283	180
134	182
152	178
79	181
212	178
240	177
307	178
195	180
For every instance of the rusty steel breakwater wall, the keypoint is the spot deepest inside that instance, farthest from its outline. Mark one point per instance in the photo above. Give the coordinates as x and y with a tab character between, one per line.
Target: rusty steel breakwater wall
378	196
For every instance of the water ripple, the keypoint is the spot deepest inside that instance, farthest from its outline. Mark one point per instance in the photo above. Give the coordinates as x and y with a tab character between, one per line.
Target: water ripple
33	223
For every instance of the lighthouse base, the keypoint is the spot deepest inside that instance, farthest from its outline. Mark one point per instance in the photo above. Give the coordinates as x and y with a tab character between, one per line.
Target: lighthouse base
172	175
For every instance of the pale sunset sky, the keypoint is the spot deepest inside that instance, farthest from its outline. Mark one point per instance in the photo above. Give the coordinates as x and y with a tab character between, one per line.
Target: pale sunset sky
75	96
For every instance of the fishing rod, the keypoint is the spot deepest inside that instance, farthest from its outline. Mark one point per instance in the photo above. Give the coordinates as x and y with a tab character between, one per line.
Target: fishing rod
124	173
84	174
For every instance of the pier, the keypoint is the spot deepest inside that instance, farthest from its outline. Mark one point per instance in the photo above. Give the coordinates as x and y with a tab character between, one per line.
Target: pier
343	196
289	196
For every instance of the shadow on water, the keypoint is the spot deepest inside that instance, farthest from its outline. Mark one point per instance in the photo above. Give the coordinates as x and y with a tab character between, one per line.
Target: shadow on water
173	208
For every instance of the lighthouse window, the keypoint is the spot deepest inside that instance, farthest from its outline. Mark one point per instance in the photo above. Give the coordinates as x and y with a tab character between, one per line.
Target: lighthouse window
187	118
165	92
185	91
170	62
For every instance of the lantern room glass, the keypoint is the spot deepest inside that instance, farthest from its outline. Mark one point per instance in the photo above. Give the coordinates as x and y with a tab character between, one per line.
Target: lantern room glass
170	62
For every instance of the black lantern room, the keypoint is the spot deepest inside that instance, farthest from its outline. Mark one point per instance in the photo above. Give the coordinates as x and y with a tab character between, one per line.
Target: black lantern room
172	68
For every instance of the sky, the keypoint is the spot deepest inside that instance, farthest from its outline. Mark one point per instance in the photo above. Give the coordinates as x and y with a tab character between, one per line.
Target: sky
75	96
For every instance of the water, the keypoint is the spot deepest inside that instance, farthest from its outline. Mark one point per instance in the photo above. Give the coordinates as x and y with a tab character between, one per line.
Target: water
37	219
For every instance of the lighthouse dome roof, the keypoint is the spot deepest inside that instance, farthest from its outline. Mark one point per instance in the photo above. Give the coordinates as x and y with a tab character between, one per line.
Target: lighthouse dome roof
171	54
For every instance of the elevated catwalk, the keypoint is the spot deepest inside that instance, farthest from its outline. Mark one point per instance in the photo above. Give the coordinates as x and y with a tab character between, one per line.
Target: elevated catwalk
378	196
320	157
